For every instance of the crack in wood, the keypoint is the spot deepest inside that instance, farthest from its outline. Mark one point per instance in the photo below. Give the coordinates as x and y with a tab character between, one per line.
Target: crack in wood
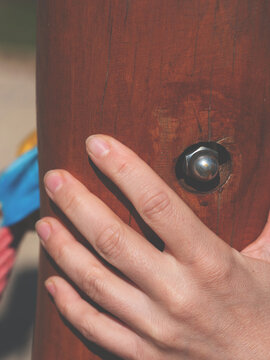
197	118
127	9
211	74
196	44
110	24
235	36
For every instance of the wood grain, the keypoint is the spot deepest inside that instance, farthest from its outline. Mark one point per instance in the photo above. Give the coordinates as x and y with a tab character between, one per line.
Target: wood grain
159	75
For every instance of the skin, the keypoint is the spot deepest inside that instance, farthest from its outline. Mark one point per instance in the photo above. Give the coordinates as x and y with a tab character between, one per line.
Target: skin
198	299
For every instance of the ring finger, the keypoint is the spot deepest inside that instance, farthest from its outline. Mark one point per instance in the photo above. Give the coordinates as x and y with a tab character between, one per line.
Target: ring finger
103	286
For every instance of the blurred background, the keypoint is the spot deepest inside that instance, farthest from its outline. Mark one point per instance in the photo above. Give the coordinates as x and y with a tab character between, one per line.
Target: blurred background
17	121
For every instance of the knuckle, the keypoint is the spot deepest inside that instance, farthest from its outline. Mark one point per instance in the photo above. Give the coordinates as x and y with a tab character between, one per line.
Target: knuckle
138	352
155	204
110	242
181	307
92	282
162	336
219	272
66	308
181	300
223	281
186	310
87	328
123	168
60	253
72	202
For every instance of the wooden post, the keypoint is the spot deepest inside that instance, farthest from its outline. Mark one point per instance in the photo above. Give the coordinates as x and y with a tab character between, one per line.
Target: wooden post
159	75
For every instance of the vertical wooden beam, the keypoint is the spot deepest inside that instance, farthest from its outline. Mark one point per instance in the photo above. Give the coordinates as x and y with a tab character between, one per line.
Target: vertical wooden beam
158	75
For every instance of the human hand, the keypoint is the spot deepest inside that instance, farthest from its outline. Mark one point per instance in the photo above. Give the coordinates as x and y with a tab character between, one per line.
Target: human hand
198	299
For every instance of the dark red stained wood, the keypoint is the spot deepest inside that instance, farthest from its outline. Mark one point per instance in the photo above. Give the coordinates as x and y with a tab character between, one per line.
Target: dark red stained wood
158	75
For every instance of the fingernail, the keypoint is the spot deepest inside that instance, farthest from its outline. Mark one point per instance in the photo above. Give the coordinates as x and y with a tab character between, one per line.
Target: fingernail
50	286
44	230
53	181
97	146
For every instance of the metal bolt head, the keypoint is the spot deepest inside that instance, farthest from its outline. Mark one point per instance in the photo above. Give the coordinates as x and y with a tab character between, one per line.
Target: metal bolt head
202	164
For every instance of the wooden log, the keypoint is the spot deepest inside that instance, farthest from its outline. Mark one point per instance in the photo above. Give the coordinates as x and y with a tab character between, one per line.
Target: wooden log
159	75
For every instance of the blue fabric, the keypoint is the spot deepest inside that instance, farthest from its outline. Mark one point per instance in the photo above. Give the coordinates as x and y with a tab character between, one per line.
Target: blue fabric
19	188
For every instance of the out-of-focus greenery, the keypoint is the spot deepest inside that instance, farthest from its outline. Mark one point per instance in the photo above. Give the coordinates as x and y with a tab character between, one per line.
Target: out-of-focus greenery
18	24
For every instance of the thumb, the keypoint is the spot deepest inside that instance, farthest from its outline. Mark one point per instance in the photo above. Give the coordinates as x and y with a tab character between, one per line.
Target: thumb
260	248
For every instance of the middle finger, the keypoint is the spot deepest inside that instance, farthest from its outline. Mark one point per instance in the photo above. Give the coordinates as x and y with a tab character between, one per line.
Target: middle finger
115	241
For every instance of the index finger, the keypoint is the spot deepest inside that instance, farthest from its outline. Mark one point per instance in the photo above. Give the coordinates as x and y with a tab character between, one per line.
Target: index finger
172	220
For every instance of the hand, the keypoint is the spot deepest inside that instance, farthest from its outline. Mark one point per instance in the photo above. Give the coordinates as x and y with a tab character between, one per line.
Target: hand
198	299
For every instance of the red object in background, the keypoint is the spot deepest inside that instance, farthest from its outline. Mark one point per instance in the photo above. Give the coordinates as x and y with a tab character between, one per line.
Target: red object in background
7	257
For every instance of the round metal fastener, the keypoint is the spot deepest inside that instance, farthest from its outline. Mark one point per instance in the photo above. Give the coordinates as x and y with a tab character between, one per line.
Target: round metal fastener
202	164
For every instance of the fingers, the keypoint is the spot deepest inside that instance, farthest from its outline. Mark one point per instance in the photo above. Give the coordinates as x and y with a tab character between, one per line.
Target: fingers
103	286
183	233
116	242
94	325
